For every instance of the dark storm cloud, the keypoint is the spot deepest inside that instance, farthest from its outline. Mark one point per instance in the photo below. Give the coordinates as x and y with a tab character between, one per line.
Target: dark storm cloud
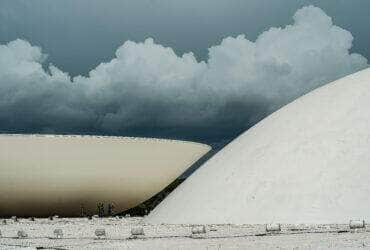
147	89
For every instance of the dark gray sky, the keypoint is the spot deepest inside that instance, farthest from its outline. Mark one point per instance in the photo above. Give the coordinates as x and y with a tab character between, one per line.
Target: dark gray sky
160	94
79	34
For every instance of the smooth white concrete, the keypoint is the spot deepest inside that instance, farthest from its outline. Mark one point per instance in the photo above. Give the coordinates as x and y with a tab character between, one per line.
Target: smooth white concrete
41	175
309	162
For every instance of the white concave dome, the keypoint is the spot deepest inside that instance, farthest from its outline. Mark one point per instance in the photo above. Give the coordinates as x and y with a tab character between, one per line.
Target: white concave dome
43	175
309	162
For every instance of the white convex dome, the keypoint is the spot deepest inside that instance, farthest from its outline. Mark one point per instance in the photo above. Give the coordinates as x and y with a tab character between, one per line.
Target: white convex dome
309	162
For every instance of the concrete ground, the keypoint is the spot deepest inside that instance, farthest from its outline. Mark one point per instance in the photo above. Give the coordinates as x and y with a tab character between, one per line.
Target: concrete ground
80	233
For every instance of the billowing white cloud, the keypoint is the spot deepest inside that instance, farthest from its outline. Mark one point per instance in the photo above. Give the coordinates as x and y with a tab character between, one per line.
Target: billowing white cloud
148	87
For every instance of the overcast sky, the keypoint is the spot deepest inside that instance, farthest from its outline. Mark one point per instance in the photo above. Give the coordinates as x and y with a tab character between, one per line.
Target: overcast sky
211	101
79	34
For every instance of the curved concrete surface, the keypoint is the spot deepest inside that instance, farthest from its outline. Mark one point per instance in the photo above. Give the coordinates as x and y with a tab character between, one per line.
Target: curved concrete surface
42	175
309	162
